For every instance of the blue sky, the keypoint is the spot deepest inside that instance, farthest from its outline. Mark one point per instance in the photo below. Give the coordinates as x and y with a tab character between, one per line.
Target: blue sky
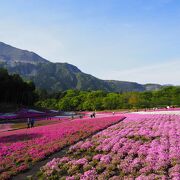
132	40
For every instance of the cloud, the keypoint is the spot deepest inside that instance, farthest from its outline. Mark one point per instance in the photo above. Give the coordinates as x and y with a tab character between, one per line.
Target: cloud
165	73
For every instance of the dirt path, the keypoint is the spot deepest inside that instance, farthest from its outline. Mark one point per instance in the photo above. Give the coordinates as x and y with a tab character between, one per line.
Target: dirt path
36	167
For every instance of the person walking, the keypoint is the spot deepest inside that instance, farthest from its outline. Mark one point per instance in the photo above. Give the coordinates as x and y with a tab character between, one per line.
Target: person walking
32	122
28	122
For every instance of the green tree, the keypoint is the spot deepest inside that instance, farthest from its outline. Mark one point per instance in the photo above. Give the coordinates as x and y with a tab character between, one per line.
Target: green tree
112	101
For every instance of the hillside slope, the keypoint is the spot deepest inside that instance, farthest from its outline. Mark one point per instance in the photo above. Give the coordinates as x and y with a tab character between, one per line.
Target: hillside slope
59	76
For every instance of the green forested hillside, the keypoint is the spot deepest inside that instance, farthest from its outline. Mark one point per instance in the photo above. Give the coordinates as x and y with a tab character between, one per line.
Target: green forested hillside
101	100
58	76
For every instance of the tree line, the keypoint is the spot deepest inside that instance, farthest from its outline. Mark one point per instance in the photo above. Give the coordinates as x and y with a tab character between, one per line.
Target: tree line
16	91
13	89
74	100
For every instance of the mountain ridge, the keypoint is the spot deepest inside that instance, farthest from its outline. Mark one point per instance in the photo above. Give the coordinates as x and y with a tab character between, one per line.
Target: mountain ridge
12	54
60	76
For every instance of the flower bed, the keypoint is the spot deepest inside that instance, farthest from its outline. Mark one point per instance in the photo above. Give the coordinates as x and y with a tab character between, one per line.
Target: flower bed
5	127
20	149
140	147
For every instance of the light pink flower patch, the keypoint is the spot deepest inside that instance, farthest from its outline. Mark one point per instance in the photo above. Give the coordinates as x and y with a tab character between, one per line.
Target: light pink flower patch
142	147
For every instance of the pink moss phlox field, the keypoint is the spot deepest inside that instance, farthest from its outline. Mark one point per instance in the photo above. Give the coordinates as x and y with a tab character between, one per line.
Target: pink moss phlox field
21	148
142	147
5	127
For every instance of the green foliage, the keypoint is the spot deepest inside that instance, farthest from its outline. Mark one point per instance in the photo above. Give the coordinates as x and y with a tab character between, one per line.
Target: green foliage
112	101
100	100
14	90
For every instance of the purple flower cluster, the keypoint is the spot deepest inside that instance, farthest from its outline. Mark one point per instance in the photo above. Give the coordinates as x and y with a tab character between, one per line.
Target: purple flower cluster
140	147
89	175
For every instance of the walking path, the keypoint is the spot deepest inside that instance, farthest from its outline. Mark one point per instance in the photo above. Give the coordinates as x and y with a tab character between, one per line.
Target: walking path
176	112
